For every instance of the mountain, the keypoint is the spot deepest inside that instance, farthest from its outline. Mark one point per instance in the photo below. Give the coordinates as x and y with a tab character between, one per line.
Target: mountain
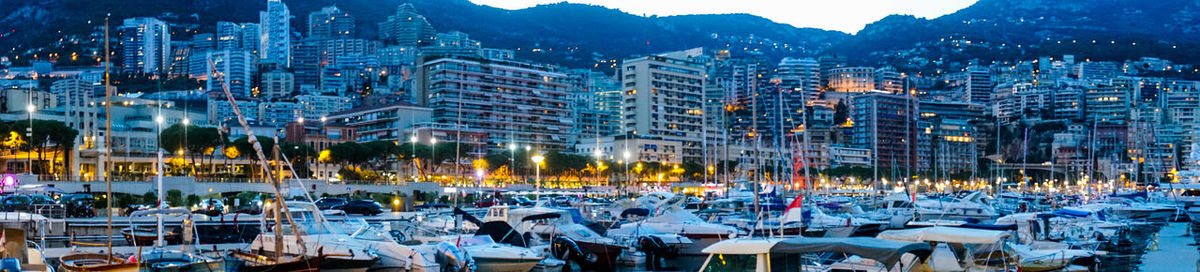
1011	29
583	35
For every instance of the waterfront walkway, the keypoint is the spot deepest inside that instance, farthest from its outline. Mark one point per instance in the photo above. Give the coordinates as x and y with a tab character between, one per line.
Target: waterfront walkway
1176	251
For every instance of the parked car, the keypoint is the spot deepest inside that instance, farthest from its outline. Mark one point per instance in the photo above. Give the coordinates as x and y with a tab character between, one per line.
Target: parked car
79	205
521	201
486	202
432	206
326	203
210	207
16	203
361	206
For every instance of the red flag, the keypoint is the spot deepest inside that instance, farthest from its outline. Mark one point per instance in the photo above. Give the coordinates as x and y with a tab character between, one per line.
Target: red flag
914	198
796	203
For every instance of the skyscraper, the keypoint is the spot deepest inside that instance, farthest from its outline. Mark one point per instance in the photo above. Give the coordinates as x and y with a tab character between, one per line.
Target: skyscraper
276	38
330	23
147	46
662	99
232	35
529	107
804	74
235	68
406	28
885	123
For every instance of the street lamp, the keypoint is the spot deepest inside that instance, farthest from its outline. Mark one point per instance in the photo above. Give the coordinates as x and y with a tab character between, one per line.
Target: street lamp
537	174
29	135
432	151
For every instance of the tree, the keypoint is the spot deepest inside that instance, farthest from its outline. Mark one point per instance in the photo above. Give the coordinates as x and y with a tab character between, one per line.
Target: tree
841	113
194	140
48	134
245	148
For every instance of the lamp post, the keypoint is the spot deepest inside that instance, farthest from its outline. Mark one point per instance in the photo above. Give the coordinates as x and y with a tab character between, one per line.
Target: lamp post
29	134
326	135
158	122
413	139
537	175
304	134
432	152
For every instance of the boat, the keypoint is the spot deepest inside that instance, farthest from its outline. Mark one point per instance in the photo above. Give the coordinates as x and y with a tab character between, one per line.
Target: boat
490	256
242	261
93	262
796	254
144	236
311	235
974	205
671	218
186	259
398	252
559	235
19	255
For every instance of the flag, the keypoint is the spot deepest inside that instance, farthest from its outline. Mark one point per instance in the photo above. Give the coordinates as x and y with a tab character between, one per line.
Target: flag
794	212
3	240
796	202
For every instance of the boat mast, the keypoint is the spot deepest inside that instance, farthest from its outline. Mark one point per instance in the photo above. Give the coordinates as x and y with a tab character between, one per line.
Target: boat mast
107	140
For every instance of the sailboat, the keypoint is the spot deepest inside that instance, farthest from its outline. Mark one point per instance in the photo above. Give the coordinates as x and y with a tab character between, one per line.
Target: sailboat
257	261
84	261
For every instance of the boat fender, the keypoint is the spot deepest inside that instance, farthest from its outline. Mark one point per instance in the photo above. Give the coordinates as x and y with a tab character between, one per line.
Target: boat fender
564	248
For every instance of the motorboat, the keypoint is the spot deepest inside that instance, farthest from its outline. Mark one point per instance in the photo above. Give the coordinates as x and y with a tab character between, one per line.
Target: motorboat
797	254
158	258
679	222
974	205
397	252
566	239
309	234
490	256
22	255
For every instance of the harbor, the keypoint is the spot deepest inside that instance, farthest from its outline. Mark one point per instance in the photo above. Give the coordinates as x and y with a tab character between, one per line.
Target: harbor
501	230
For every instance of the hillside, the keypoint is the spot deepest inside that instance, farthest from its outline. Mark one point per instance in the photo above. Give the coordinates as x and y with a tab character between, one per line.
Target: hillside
580	35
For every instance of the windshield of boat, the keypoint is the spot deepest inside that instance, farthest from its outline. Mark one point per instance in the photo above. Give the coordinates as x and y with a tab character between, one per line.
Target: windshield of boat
731	263
463	241
373	233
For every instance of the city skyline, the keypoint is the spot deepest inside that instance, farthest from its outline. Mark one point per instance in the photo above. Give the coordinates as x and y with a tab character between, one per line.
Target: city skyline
845	16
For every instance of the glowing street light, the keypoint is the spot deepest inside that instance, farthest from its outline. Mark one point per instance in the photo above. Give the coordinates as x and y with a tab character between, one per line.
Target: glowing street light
537	174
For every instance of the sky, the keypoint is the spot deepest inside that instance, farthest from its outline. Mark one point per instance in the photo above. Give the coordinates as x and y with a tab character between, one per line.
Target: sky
842	15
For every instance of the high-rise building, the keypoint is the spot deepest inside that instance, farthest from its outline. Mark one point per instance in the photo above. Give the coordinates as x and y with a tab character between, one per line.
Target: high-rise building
888	80
238	36
588	90
1106	103
146	43
330	23
276	85
973	84
886	124
313	107
851	79
663	99
276	34
235	68
828	63
947	136
529	107
804	74
406	28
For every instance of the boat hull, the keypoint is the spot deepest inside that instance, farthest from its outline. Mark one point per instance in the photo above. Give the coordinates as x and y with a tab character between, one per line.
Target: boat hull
91	262
504	265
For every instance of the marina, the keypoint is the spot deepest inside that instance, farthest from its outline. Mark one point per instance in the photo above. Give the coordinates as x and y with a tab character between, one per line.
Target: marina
657	231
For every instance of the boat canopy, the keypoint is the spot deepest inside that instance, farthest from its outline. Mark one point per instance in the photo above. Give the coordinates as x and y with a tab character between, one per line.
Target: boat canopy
945	235
885	251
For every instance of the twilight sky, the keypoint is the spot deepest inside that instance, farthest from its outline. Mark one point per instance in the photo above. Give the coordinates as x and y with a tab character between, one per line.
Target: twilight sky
842	15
